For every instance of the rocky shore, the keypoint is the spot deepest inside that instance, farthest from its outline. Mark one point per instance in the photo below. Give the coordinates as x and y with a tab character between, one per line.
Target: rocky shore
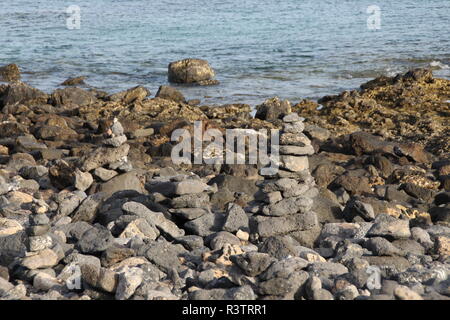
93	207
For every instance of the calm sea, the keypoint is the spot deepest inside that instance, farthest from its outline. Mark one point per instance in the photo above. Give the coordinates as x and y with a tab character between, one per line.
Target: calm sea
293	49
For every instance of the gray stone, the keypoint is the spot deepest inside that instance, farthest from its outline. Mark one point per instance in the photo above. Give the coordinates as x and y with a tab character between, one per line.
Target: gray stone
46	258
189	213
284	267
389	227
294	139
95	240
103	156
327	269
270	226
382	247
129	281
126	181
105	174
293	117
154	218
190	186
39	219
236	219
294	163
87	211
253	263
165	255
297	150
12	246
294	127
355	208
205	225
218	240
288	206
115	141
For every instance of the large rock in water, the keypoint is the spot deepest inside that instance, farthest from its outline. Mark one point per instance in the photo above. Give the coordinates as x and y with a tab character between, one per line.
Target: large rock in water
190	71
9	72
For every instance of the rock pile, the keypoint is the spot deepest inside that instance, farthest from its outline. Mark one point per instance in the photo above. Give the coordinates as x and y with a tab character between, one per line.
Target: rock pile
86	213
287	195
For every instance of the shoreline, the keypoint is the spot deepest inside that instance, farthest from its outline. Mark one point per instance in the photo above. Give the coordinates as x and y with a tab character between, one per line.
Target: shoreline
92	205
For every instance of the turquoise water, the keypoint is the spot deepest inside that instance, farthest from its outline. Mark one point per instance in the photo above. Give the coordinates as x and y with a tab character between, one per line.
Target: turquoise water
259	48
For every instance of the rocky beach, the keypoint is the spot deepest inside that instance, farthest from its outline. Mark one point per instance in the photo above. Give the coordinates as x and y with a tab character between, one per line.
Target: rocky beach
92	206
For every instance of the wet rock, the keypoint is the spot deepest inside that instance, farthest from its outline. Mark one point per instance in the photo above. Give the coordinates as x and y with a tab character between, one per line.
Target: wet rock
10	72
190	71
74	81
135	94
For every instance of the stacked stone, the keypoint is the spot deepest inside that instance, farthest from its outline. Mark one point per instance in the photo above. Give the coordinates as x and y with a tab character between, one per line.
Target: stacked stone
287	195
38	232
114	154
189	199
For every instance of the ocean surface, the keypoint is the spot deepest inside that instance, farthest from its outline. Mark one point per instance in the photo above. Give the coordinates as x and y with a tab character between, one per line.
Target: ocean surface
293	49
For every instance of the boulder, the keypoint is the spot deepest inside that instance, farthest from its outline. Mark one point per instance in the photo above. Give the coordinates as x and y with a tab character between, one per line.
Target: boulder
190	71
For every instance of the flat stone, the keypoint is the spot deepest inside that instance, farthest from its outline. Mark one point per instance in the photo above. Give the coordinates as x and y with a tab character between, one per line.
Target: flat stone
189	213
270	226
293	163
103	156
389	227
190	187
105	174
9	227
297	150
115	141
288	206
154	218
46	258
83	180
